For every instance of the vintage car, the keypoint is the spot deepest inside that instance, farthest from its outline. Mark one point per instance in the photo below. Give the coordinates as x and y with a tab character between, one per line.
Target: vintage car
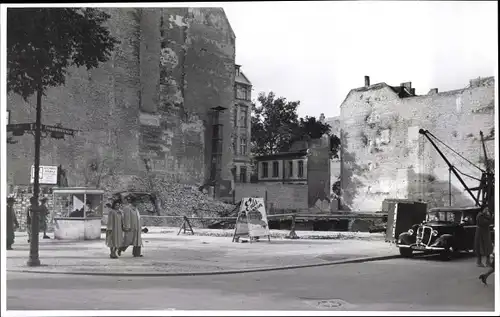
446	230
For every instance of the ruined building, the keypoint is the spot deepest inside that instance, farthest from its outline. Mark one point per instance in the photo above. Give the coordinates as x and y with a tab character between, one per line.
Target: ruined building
384	156
152	100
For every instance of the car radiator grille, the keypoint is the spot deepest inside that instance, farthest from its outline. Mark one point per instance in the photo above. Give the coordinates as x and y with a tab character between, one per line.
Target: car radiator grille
424	235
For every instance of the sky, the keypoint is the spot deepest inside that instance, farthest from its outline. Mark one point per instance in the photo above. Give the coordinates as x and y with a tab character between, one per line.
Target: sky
316	52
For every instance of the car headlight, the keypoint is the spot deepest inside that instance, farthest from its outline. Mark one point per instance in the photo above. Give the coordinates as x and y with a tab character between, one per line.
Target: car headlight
410	231
434	232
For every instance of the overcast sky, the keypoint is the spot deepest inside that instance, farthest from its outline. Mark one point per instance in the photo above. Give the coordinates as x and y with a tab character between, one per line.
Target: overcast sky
316	52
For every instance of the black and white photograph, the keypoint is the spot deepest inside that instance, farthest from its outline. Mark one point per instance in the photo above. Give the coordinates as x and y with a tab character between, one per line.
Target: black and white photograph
268	158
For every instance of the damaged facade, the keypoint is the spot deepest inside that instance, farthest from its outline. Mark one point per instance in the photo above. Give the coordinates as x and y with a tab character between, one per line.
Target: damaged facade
384	156
151	101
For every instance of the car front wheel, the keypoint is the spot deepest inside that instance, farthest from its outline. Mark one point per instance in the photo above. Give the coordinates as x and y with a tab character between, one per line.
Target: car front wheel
406	252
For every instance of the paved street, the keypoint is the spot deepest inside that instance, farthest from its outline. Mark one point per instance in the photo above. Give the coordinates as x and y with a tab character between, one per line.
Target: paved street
397	284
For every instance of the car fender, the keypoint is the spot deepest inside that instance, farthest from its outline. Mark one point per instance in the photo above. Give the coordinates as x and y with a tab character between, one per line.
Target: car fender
405	238
447	240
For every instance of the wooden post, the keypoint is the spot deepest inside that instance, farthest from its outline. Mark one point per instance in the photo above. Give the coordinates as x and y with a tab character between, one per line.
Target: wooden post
292	234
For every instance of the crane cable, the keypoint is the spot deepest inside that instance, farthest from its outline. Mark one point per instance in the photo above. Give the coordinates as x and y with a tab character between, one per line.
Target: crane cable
455	152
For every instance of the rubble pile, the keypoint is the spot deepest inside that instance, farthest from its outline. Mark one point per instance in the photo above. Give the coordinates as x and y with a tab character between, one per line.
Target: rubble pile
187	200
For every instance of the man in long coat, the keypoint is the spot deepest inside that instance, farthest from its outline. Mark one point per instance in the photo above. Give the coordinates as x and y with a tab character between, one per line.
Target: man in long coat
44	213
482	240
132	228
114	230
12	223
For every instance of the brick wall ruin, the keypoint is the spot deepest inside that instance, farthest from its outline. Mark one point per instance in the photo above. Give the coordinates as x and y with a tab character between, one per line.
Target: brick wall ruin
384	156
151	99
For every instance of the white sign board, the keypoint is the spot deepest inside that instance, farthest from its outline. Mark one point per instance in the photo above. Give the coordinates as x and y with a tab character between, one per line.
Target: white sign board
255	211
47	174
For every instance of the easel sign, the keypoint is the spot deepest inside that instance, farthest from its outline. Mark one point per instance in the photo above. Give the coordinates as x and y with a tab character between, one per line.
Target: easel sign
252	220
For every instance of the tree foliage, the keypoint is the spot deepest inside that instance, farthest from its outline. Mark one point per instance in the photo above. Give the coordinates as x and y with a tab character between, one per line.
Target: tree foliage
43	42
276	125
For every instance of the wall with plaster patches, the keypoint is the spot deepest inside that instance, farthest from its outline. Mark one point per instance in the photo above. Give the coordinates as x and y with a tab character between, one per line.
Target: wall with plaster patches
384	156
152	99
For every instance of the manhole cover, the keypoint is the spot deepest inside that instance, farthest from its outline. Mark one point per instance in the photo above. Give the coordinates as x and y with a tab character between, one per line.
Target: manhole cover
329	304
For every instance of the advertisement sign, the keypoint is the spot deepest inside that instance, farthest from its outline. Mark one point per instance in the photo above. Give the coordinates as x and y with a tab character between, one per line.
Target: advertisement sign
47	175
252	218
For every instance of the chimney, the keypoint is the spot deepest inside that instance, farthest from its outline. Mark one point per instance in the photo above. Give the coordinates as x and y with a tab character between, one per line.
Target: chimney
433	91
367	81
407	85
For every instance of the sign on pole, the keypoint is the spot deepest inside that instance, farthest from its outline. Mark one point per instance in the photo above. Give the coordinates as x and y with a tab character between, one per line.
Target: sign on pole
47	175
252	219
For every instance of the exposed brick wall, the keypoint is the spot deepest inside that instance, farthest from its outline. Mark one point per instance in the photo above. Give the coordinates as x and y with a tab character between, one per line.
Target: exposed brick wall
318	174
384	156
281	196
152	99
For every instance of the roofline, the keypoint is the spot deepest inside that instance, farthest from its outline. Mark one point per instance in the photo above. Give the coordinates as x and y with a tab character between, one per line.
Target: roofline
233	35
281	154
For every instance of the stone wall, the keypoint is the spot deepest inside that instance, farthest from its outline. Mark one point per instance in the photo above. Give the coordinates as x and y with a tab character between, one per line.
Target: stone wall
279	196
152	100
318	174
384	156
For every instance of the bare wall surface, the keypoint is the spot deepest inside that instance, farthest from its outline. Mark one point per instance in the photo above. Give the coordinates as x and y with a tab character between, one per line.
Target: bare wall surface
152	99
384	156
281	196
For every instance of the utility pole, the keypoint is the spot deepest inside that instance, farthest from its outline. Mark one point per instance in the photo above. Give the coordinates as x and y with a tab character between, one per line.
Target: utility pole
35	221
56	132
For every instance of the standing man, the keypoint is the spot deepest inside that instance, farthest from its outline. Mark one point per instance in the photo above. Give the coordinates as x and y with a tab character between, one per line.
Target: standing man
132	228
114	231
482	240
12	223
44	213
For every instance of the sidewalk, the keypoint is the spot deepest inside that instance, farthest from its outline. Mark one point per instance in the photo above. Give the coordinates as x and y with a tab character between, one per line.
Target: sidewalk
165	253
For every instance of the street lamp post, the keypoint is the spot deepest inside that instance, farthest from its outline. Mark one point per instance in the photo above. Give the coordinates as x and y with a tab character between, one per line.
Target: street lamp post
35	221
56	132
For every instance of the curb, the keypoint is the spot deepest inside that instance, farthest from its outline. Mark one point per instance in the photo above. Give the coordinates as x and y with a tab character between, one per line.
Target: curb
277	268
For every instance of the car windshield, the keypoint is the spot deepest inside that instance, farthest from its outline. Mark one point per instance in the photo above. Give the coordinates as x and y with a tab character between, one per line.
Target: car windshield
445	216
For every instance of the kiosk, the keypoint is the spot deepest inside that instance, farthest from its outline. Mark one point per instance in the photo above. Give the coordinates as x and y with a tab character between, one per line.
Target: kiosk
77	213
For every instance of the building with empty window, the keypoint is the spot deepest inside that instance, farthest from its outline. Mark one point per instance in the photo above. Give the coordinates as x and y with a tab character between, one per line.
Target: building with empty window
241	122
306	165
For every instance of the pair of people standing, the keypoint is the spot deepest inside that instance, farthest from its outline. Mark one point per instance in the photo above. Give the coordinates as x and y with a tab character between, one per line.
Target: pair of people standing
123	229
44	212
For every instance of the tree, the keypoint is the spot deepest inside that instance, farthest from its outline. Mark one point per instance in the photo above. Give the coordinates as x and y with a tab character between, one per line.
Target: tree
276	125
41	44
273	124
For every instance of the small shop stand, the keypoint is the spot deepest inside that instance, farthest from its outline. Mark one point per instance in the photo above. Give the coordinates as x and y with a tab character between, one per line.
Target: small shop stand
77	213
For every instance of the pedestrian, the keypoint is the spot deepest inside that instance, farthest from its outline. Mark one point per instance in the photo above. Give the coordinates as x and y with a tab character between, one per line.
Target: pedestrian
12	223
132	228
44	213
114	230
482	239
484	277
29	214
